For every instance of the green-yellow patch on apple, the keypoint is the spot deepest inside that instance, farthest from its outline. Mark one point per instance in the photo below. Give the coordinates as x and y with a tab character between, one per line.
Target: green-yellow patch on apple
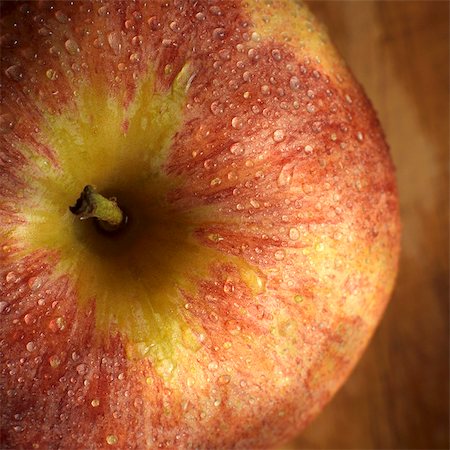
121	151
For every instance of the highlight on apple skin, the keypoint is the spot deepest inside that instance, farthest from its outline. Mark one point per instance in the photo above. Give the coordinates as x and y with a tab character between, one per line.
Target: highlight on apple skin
262	227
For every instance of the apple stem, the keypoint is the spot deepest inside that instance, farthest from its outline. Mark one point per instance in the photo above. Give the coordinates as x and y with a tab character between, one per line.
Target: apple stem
91	204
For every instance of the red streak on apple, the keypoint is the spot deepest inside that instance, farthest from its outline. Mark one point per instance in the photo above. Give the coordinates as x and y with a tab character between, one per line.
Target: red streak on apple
264	228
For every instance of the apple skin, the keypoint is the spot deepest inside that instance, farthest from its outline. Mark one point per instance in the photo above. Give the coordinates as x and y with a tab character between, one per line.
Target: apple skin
264	234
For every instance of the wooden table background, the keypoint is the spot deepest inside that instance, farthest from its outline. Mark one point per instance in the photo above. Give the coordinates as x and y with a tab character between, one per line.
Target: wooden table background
398	396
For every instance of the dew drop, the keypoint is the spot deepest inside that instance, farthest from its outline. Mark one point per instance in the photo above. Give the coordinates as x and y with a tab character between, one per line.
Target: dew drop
219	33
278	135
54	361
237	123
103	11
200	16
276	54
294	234
51	74
114	42
81	369
320	247
228	287
71	47
27	318
215	182
237	149
111	439
308	149
34	283
216	107
95	403
7	123
294	82
61	17
279	255
213	366
298	299
359	136
14	72
154	23
44	31
223	379
174	26
10	277
3	306
57	324
31	346
233	327
265	90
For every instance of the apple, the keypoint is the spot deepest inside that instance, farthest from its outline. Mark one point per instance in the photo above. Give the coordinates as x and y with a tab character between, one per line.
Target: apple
199	224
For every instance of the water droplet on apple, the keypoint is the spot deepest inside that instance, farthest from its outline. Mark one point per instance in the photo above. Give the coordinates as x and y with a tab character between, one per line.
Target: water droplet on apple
51	74
237	149
223	379
44	31
81	369
174	26
34	283
320	247
359	136
294	234
213	366
278	135
103	11
10	277
233	327
200	16
111	439
95	402
71	47
276	54
7	123
28	318
3	306
217	107
14	72
237	123
54	361
285	177
217	402
57	324
61	17
31	346
228	286
310	108
294	83
215	182
135	57
255	203
219	33
114	41
279	255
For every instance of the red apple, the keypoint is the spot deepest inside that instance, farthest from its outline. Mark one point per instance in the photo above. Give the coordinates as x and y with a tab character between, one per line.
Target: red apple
227	291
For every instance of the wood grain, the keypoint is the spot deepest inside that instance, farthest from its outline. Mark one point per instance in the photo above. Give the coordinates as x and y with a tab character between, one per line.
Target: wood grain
397	397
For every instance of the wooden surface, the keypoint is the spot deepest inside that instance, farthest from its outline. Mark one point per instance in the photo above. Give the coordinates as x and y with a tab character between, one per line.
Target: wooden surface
397	398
